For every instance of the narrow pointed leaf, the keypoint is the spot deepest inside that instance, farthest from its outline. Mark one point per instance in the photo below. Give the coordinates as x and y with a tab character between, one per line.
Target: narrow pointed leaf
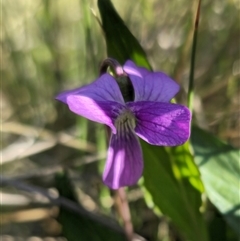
121	44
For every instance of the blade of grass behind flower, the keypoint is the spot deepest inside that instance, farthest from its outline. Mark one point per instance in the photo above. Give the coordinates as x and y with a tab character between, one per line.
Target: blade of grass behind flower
193	55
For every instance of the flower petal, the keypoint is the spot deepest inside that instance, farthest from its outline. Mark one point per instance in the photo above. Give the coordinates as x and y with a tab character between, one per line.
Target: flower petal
105	88
150	86
63	95
163	124
124	163
104	112
132	69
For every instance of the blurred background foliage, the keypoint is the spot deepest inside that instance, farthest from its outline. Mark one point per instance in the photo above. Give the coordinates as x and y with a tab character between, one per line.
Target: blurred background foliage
49	46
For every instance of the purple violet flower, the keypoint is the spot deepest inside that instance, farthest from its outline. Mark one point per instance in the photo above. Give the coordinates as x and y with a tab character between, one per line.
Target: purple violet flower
150	116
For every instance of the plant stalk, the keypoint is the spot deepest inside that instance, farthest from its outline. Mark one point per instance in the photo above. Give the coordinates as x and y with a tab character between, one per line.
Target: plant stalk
124	212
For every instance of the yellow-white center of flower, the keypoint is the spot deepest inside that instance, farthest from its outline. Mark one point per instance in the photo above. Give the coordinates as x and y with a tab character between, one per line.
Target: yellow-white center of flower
125	122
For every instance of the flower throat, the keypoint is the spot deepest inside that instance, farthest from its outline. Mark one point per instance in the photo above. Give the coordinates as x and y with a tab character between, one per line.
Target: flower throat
125	122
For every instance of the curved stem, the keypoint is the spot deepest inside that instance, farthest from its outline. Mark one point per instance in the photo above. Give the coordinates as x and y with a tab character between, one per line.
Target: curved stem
109	62
121	77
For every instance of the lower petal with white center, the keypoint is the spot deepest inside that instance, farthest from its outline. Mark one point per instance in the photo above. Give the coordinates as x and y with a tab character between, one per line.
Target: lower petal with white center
124	164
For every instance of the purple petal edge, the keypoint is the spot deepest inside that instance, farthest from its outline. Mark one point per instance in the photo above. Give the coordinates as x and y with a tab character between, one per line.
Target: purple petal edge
63	95
162	124
105	88
150	86
132	69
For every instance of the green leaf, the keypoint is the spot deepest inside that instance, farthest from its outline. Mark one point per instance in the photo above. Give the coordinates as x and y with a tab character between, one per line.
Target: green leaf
173	180
79	224
121	44
219	164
